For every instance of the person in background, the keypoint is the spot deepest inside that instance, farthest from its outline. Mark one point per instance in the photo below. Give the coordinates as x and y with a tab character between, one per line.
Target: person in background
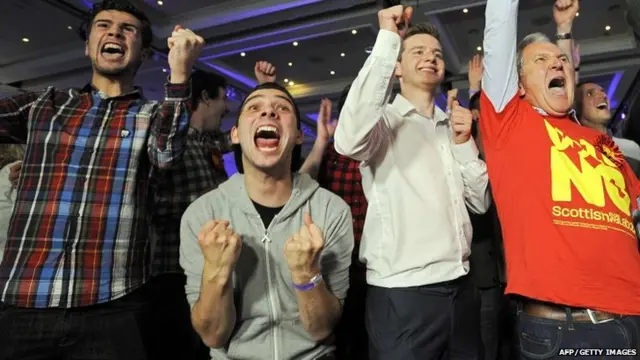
267	254
593	110
420	167
200	171
10	163
341	175
564	194
77	253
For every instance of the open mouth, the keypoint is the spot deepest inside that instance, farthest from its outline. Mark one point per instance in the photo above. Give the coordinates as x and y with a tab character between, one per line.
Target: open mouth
267	138
112	51
556	86
603	106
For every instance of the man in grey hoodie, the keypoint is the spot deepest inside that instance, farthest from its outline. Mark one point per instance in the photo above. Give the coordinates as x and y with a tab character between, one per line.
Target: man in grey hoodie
267	254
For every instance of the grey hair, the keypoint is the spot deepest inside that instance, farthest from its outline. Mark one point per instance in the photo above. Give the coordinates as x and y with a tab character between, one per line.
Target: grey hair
528	40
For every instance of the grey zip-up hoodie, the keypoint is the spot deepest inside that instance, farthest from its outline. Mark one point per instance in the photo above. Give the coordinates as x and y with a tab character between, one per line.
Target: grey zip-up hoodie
268	325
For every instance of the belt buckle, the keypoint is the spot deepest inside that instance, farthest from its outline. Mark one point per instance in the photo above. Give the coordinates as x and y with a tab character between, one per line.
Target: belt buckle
592	317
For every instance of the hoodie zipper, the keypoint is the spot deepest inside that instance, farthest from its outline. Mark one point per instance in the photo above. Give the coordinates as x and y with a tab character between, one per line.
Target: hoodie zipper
272	301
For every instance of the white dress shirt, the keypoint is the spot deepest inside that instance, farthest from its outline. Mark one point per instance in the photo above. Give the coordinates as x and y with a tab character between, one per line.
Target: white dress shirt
7	199
417	182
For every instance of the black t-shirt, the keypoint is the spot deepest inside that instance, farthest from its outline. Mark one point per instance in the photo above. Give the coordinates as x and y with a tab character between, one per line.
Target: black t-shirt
266	213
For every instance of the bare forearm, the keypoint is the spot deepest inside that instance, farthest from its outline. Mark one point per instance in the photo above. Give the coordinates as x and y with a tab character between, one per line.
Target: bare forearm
319	311
311	166
214	315
566	45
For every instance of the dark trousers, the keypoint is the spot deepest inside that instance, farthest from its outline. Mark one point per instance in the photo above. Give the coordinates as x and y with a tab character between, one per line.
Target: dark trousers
439	321
352	342
109	331
543	339
491	313
170	334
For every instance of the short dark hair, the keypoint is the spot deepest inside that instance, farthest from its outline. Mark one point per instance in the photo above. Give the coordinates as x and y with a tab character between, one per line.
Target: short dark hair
474	101
343	97
417	29
296	158
422	28
118	5
577	101
205	81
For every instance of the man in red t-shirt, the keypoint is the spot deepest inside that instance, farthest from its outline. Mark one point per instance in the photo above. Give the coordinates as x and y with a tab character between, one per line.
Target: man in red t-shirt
564	195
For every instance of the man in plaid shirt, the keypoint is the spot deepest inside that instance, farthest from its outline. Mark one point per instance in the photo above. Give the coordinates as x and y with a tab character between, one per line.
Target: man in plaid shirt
174	190
77	246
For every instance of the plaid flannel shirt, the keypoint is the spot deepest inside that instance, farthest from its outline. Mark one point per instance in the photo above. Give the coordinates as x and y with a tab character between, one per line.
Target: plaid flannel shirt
79	231
175	189
341	175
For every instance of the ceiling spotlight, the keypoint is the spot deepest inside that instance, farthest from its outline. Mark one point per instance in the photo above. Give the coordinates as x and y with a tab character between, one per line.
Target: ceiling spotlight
295	43
332	72
368	49
70	27
479	48
286	81
290	64
342	54
160	3
465	10
243	54
291	83
354	31
164	70
607	28
25	40
577	14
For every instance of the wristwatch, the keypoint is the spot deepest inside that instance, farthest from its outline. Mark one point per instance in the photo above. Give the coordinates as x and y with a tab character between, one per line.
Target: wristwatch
312	284
564	36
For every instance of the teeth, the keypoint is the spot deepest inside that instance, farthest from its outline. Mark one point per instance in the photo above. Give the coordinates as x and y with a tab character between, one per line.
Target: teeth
112	46
268	128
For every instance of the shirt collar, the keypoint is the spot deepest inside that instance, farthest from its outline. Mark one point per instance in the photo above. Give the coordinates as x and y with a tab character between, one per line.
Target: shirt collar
571	114
404	107
90	89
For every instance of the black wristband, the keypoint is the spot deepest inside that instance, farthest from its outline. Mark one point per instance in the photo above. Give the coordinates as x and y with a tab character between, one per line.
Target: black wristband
564	36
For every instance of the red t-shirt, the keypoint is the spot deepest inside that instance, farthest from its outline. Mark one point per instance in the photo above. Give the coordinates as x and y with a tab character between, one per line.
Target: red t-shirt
564	194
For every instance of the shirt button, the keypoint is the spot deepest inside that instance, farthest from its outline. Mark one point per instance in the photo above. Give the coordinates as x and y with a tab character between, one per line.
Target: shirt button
455	202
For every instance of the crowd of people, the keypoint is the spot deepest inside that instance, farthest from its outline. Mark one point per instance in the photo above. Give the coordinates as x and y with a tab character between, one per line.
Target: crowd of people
503	230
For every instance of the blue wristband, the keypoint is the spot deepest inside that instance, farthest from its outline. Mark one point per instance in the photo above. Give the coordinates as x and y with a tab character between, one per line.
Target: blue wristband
306	287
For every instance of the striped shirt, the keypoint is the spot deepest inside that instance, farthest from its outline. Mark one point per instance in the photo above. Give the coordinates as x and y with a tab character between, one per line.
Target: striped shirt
79	231
175	189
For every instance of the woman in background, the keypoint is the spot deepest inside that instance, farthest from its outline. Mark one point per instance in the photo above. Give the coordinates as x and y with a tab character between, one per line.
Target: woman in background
10	162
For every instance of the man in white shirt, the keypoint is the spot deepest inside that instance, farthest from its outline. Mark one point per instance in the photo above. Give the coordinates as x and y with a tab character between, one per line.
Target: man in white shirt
420	168
10	162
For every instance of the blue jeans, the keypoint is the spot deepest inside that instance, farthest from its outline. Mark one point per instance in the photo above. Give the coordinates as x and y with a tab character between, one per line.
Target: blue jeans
544	339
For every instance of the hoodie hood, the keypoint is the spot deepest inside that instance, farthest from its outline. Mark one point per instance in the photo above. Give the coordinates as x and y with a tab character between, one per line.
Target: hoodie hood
303	189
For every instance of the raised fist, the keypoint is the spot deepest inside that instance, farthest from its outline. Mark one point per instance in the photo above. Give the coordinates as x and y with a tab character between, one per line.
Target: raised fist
221	247
395	18
565	11
184	50
265	72
302	252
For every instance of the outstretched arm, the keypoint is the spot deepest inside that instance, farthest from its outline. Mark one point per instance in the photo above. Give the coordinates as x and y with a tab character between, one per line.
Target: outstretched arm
500	77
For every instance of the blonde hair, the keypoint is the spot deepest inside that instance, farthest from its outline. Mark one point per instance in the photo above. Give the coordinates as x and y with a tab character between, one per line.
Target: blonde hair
10	153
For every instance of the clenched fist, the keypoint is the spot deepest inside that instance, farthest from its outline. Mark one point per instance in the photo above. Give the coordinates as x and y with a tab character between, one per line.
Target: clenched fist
302	252
395	18
564	13
459	118
14	173
265	72
184	49
221	247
